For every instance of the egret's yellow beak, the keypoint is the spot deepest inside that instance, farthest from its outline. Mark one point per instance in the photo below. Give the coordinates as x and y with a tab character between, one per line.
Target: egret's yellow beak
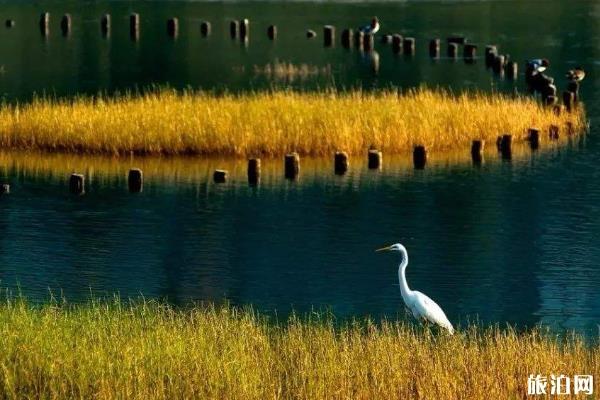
384	248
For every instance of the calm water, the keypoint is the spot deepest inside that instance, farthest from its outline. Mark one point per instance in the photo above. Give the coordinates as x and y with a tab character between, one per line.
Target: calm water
512	242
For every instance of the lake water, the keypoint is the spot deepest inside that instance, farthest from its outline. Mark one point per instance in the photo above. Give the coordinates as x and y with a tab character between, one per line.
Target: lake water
509	242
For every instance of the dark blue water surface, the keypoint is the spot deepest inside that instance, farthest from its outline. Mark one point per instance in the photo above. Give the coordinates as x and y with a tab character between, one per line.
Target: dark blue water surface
509	242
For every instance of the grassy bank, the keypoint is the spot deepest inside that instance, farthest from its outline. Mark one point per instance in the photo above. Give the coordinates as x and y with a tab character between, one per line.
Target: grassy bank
147	351
271	124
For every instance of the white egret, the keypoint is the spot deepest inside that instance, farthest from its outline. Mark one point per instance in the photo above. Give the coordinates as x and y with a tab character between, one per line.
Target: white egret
421	306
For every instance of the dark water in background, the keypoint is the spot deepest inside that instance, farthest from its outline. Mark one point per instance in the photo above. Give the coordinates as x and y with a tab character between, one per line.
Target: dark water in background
512	242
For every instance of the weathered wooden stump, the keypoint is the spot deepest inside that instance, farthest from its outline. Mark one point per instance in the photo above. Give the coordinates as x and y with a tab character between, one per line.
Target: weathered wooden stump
134	26
573	86
434	48
470	53
292	165
386	39
419	157
375	159
533	137
4	189
272	32
310	34
77	184
553	132
220	176
477	147
328	35
397	43
135	180
340	162
253	171
369	42
512	70
359	40
408	46
205	28
491	51
452	50
9	23
65	24
45	24
173	27
506	146
499	62
569	100
105	25
234	29
244	29
346	38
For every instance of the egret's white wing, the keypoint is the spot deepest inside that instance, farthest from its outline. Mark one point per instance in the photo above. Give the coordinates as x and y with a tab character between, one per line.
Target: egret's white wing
429	310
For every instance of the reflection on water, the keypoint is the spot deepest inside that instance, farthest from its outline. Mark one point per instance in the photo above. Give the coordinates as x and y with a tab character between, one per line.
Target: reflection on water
490	241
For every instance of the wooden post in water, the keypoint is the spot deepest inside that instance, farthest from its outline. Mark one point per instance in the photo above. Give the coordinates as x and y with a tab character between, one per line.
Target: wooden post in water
573	86
512	70
533	137
205	28
272	32
469	53
173	27
386	39
419	157
340	161
253	171
310	34
77	184
134	26
434	48
369	42
397	43
292	165
220	176
347	37
4	189
491	51
105	25
568	100
506	146
9	23
408	45
328	35
452	50
477	151
499	62
359	40
65	24
135	180
375	159
45	24
553	132
244	29
234	29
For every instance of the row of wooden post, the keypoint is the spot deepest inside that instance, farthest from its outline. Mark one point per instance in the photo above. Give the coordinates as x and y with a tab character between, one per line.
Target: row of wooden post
135	178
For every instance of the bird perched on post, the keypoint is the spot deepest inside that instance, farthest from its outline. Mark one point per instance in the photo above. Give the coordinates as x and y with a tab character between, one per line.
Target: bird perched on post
576	75
538	65
372	28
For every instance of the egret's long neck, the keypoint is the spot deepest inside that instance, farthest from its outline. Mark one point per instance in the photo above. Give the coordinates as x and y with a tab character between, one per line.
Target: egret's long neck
404	289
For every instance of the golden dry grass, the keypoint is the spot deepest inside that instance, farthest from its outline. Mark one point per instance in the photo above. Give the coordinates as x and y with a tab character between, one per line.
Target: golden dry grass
147	350
272	123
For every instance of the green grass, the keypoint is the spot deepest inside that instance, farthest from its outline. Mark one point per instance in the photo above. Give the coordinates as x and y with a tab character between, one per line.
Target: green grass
148	350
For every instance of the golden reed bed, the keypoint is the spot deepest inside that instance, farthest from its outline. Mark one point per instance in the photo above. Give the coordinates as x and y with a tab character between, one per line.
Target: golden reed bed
273	123
145	350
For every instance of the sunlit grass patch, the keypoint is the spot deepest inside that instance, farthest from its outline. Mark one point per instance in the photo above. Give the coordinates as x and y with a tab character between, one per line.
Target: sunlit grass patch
273	123
148	350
